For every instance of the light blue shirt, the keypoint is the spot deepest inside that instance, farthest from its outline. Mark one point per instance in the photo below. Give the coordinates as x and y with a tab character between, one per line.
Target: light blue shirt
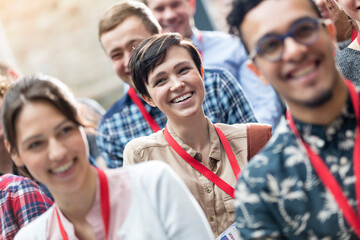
223	50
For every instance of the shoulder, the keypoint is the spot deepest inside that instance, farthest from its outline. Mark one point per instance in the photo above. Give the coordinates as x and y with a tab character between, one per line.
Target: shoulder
153	140
272	158
221	36
117	107
232	131
12	183
151	173
218	77
36	229
347	55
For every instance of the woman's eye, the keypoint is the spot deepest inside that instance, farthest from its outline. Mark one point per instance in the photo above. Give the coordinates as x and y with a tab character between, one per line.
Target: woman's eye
116	56
34	145
160	81
184	69
67	129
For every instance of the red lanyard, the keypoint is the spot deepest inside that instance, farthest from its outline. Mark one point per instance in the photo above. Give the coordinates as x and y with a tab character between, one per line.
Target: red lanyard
201	168
105	205
148	118
358	38
324	173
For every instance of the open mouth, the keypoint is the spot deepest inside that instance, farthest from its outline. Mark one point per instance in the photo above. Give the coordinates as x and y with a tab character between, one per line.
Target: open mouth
304	71
63	168
182	98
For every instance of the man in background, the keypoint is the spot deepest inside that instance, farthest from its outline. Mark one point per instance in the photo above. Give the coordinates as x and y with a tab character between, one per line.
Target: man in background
121	29
221	50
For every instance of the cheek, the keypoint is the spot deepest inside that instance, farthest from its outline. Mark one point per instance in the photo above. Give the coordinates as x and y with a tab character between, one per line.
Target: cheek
118	66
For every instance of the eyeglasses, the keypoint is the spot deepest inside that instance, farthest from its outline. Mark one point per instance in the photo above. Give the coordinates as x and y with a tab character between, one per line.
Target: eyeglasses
271	47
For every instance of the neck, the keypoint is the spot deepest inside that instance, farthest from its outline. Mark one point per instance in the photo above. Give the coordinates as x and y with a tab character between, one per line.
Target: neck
326	113
6	162
193	131
75	206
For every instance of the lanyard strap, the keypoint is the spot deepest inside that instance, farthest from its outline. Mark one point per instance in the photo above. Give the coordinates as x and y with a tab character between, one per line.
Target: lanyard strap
201	168
148	118
358	37
327	178
105	205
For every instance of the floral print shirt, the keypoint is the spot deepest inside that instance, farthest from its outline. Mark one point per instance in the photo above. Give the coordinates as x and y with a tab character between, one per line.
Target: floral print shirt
279	195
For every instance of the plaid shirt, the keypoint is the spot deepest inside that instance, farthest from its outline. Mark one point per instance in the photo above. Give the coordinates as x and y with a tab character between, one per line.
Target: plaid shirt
224	103
21	201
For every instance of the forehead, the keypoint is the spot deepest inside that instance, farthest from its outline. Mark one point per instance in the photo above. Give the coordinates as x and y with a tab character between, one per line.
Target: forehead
264	18
132	28
174	55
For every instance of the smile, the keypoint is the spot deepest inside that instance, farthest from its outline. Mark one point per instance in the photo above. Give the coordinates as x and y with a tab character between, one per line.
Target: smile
63	168
304	71
182	98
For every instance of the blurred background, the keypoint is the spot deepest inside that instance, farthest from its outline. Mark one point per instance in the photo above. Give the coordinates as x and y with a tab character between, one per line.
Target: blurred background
59	38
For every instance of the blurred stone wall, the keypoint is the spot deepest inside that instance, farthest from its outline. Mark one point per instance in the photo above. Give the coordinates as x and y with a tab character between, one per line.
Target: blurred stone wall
59	38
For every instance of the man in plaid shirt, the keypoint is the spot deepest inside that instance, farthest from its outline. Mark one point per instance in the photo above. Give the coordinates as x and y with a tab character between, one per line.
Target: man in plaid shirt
122	28
21	201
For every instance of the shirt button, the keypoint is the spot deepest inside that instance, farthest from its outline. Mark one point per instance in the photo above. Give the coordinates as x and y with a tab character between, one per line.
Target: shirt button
212	219
208	190
343	160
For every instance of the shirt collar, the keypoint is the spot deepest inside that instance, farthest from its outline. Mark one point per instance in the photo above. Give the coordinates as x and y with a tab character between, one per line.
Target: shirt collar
317	135
214	152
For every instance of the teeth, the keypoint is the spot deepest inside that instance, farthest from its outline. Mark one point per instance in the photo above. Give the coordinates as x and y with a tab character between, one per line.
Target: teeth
304	71
182	98
63	168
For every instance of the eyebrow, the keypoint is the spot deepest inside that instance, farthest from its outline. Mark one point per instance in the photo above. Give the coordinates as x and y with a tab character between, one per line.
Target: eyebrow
57	127
117	49
290	26
163	72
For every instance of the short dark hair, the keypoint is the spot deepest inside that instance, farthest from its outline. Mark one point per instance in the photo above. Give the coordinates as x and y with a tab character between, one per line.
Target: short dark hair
31	89
241	7
152	52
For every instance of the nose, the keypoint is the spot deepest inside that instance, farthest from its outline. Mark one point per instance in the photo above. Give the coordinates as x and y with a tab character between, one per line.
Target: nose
57	151
176	84
169	14
126	59
293	51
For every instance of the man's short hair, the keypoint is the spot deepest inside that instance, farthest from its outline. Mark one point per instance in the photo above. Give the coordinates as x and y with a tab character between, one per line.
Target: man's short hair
117	13
152	52
241	7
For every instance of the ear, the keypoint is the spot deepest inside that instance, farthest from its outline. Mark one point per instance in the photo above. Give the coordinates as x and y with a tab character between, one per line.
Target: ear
14	155
252	66
148	100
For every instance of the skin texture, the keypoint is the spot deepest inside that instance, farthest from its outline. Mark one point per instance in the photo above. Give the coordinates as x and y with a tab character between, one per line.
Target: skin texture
174	78
351	8
46	141
119	43
306	76
174	15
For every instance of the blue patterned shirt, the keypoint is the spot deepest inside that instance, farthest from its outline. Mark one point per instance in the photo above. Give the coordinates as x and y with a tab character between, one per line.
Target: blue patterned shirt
279	194
224	103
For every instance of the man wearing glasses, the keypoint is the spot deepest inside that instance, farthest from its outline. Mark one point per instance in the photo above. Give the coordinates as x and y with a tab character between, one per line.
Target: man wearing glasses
304	184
